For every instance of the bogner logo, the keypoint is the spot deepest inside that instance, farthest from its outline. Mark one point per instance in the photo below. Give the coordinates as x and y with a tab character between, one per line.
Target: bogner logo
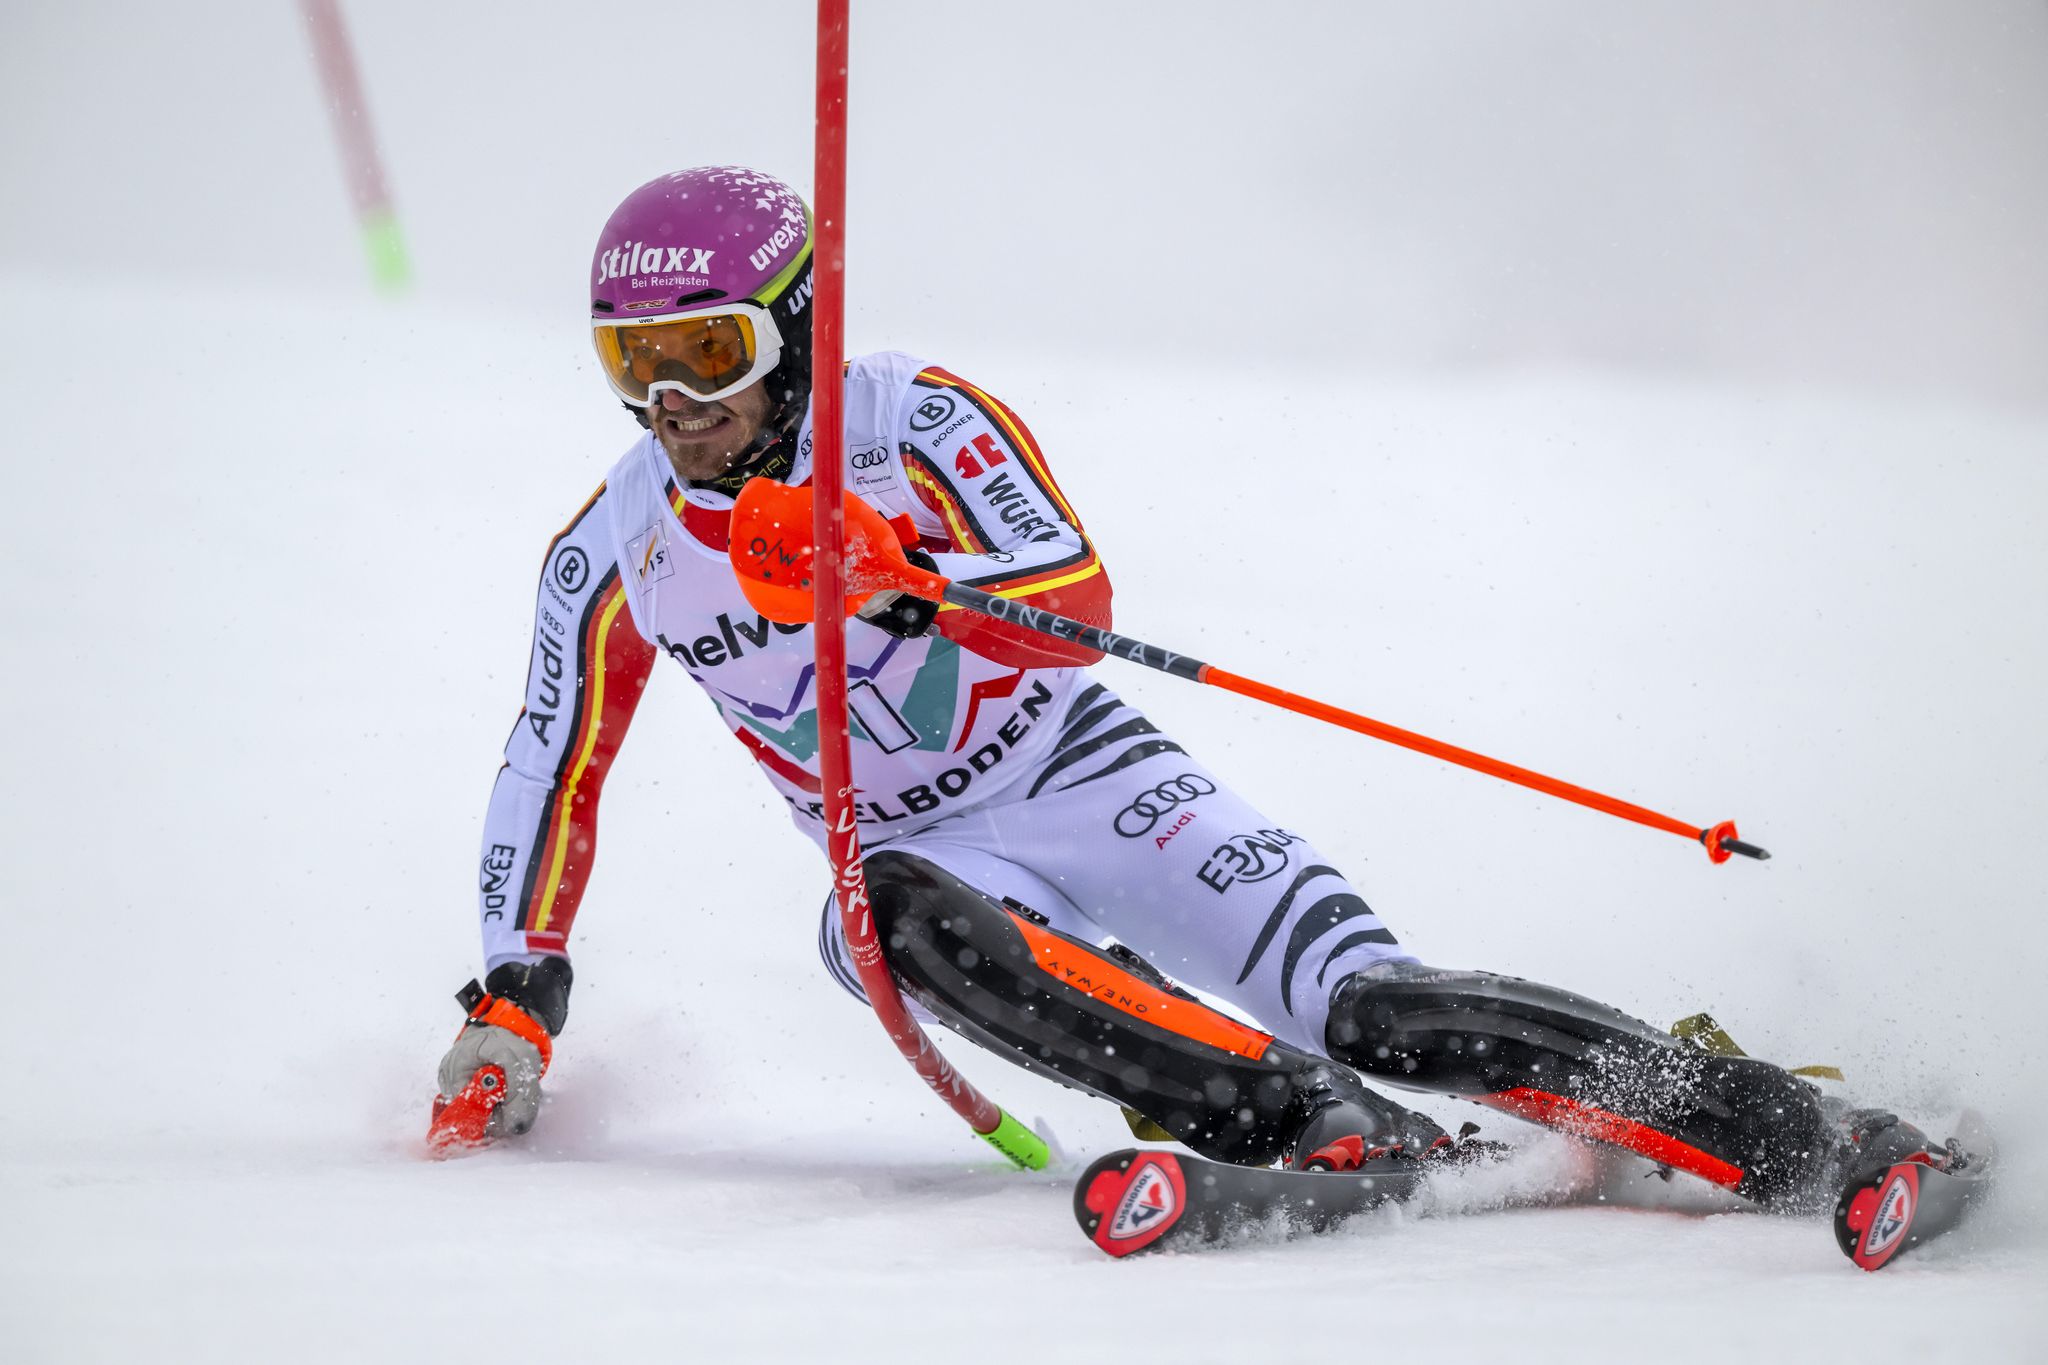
709	651
931	412
637	258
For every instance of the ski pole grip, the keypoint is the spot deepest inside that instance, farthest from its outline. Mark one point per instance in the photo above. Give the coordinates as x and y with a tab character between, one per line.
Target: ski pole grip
1720	842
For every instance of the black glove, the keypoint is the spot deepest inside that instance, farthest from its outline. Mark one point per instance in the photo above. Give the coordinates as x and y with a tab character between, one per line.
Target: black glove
896	611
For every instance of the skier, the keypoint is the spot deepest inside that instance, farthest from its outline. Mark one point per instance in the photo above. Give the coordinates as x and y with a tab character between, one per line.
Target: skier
1016	812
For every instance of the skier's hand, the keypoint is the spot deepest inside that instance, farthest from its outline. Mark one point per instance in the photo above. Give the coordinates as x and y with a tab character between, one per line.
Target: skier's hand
772	554
902	615
490	1078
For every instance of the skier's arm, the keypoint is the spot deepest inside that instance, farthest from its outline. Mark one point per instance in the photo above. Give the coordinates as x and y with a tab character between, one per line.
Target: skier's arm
994	519
587	670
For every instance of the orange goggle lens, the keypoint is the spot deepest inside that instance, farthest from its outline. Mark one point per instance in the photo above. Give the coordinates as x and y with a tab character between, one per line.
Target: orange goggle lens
707	355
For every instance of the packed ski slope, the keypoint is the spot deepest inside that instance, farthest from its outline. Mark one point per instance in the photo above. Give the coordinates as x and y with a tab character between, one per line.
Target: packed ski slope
266	635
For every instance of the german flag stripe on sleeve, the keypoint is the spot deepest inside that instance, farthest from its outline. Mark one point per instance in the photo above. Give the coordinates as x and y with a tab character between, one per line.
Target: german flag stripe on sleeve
612	664
1012	426
938	495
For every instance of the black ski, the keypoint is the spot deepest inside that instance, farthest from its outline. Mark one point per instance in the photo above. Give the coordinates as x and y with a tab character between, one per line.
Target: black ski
1142	1199
1887	1208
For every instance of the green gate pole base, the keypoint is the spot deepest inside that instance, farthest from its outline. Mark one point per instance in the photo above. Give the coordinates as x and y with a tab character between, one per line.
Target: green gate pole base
389	268
1022	1146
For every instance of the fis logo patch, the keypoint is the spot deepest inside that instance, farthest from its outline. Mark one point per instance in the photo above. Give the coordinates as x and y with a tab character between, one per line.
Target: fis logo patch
648	553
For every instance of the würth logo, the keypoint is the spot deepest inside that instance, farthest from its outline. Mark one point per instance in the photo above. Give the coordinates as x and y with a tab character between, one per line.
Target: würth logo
637	258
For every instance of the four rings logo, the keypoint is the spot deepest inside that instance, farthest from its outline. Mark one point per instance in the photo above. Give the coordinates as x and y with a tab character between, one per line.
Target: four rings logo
931	412
868	459
572	570
1137	819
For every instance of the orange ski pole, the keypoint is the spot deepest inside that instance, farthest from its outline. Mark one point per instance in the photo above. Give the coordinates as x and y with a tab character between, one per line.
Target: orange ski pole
1719	840
771	555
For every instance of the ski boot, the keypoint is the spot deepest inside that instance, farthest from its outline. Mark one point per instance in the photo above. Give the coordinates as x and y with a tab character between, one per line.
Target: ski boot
1344	1124
1588	1070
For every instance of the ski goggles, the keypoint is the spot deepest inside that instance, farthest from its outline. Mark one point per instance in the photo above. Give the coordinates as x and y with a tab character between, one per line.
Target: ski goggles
706	354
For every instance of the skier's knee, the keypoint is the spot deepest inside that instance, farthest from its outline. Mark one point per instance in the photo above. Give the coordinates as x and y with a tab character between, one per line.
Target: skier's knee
931	927
1097	1019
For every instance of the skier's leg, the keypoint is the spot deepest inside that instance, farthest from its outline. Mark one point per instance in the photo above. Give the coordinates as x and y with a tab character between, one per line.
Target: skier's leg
1004	976
1588	1069
1173	863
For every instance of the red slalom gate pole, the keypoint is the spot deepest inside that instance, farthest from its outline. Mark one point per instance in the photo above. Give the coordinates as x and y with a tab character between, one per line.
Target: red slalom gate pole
828	531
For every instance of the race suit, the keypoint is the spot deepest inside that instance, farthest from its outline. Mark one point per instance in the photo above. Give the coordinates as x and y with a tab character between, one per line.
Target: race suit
980	746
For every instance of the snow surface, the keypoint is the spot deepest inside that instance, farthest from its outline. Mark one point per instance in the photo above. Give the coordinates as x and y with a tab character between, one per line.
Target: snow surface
266	638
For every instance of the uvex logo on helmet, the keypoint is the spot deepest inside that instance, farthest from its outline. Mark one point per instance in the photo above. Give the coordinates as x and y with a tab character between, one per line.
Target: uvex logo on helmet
637	258
778	241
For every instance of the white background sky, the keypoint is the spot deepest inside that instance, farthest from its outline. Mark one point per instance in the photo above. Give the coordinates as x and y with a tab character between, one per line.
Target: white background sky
1847	192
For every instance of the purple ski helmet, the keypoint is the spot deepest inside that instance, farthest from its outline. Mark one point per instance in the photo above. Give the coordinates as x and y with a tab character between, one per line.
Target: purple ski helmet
712	265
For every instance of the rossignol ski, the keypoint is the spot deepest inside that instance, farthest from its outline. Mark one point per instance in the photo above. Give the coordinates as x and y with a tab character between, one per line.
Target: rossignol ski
1889	1206
1142	1199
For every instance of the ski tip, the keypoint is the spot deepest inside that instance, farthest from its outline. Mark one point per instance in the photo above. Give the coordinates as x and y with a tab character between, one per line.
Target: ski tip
1874	1217
1125	1202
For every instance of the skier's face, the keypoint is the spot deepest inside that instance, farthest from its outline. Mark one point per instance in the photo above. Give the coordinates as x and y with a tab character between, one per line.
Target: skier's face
702	439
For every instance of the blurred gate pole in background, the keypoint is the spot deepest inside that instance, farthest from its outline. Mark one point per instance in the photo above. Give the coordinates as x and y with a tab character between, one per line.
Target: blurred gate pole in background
358	145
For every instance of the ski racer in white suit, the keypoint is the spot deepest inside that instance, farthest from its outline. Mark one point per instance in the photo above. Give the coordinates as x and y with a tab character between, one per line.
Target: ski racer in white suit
1005	793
